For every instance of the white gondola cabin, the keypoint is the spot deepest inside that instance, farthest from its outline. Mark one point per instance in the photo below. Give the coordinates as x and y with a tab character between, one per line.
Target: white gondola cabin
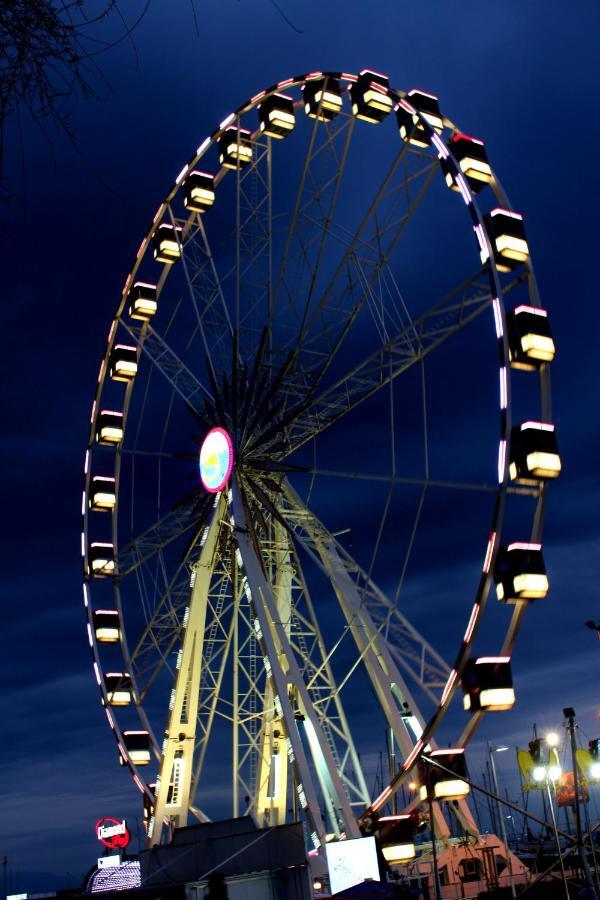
322	98
533	453
235	148
118	688
101	559
439	784
529	338
142	301
167	243
507	236
102	495
520	573
471	156
487	684
109	427
137	744
276	116
371	101
107	626
122	364
199	191
410	124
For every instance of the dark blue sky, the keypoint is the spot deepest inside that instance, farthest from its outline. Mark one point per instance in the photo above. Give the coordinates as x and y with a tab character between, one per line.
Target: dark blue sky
522	76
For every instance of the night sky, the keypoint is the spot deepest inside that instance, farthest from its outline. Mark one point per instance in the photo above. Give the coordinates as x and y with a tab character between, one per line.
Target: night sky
525	78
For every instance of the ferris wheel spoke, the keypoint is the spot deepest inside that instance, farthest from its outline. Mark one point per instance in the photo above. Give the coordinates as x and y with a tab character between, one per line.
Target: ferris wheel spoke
167	362
364	260
206	294
432	329
191	511
427	482
417	656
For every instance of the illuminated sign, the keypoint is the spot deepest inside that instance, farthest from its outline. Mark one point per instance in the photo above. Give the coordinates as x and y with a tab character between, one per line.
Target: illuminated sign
351	862
113	833
216	460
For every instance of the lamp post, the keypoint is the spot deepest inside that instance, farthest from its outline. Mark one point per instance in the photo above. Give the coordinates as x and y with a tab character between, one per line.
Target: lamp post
491	751
569	714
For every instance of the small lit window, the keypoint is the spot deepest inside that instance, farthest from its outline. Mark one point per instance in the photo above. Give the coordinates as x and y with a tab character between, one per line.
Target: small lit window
235	148
199	191
529	338
487	684
533	453
118	688
137	744
122	364
107	626
471	156
276	116
507	235
370	97
167	243
322	99
101	559
520	573
109	427
142	301
102	493
410	123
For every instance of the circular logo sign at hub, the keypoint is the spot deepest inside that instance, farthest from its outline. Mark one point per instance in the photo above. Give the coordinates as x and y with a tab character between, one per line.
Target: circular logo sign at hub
216	460
113	833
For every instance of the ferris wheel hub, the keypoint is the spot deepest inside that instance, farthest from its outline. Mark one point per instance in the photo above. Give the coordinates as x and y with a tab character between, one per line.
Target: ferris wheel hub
216	460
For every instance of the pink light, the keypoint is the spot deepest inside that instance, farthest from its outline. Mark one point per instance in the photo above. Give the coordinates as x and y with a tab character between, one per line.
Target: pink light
93	413
145	284
466	137
498	318
462	186
257	97
492	659
86	601
347	77
501	460
442	149
478	229
314	75
382	798
87	462
506	212
226	121
203	146
447	752
182	174
109	717
489	552
140	249
82	544
373	72
522	546
97	673
112	330
471	626
412	755
503	388
139	785
449	685
89	632
282	96
124	347
393	818
285	83
407	107
111	412
531	309
422	94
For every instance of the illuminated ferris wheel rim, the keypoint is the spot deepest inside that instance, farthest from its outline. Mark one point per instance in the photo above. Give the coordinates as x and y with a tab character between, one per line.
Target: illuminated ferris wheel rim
485	246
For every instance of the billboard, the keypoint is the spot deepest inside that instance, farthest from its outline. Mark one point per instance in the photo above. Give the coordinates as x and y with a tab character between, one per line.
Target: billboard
351	862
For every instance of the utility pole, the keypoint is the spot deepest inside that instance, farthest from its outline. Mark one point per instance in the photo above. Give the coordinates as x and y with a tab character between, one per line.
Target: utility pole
569	714
491	751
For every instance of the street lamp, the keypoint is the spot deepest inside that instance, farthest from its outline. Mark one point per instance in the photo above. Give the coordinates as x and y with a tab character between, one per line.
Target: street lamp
491	751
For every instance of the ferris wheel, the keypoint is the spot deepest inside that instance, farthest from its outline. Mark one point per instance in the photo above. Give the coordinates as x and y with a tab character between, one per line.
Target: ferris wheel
321	438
